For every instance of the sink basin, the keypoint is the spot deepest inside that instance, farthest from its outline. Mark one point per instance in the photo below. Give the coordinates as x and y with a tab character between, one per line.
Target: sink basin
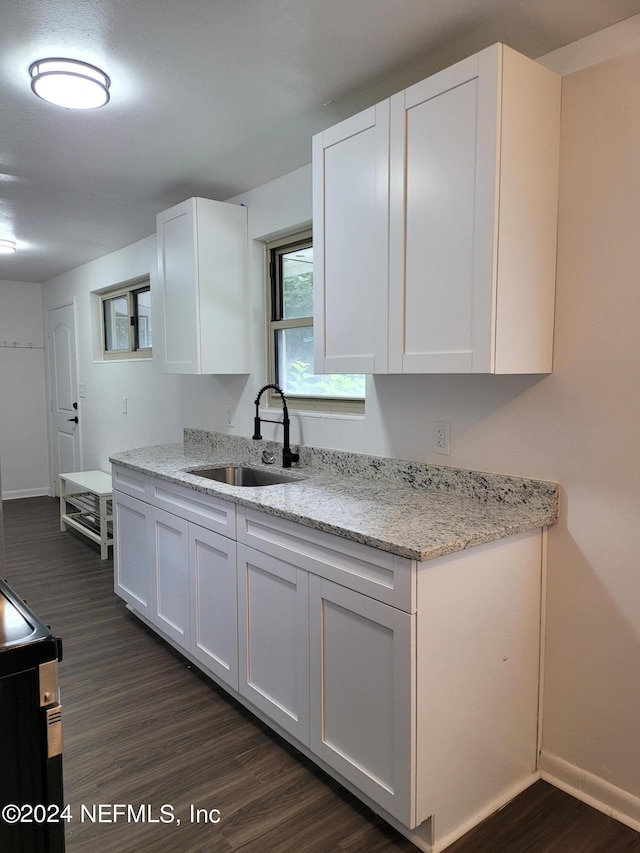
239	475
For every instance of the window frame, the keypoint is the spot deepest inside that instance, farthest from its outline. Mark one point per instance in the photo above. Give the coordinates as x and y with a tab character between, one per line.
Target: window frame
130	291
275	323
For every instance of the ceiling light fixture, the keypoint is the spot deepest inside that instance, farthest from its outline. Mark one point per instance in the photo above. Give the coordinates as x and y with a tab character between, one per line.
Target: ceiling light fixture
70	83
7	246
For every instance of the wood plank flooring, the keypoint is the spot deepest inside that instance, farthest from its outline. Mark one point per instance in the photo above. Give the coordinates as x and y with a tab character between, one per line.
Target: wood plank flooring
142	727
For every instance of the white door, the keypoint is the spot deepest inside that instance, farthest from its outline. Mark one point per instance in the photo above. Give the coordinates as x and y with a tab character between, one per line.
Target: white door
177	274
170	575
443	179
351	219
273	639
362	680
133	580
214	603
61	345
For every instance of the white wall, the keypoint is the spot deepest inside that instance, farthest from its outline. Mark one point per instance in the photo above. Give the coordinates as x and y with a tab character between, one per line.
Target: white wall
593	689
154	407
23	435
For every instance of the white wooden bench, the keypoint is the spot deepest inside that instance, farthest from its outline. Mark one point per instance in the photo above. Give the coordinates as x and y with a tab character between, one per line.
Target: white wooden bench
89	495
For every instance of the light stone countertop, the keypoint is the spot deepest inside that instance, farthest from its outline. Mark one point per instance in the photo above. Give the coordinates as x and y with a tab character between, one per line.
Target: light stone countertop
410	509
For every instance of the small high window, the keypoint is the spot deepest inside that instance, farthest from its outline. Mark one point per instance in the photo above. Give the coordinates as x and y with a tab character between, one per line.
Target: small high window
126	321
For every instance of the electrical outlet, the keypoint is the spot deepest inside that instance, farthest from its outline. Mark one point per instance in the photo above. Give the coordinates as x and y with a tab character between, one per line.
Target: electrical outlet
442	438
123	405
230	416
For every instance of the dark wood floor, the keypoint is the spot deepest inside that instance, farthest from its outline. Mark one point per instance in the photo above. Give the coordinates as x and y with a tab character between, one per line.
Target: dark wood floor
142	727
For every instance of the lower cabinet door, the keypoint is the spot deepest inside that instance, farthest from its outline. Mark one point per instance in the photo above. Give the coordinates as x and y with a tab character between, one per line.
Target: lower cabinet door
131	553
170	549
273	639
362	693
214	603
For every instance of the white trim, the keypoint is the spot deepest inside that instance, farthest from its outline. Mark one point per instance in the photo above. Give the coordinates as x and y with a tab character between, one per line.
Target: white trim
312	413
591	789
613	41
494	806
42	491
544	574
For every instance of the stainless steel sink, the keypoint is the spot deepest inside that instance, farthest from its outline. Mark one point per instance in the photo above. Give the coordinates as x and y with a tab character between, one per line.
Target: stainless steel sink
239	475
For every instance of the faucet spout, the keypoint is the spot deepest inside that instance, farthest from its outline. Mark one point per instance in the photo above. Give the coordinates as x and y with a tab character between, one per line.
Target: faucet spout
288	456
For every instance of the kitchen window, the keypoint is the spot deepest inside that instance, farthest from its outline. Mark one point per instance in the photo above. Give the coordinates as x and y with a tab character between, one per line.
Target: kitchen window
290	333
126	321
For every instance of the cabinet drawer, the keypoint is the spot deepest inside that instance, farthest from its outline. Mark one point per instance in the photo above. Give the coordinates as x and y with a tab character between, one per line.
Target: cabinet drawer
377	574
207	511
129	481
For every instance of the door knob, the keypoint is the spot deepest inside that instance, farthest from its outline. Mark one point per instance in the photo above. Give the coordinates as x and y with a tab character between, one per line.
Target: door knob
75	420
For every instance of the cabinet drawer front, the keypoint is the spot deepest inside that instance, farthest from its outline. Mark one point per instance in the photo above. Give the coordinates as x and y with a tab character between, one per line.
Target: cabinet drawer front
377	574
128	481
205	510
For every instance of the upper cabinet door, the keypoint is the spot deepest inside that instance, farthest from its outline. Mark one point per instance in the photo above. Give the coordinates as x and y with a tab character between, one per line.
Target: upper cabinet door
474	182
178	274
351	216
437	204
202	278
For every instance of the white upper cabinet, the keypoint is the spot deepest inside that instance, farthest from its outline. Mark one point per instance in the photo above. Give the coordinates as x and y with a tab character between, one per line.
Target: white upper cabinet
202	275
471	195
350	251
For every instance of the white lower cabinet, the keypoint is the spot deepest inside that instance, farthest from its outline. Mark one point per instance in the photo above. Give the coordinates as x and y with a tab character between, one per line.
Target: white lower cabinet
131	552
181	578
170	575
214	603
415	684
362	672
273	639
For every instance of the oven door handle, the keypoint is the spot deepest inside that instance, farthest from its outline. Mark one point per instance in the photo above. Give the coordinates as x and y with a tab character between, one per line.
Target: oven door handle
54	730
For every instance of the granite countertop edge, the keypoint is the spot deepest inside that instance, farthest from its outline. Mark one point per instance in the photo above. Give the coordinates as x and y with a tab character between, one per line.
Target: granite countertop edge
415	511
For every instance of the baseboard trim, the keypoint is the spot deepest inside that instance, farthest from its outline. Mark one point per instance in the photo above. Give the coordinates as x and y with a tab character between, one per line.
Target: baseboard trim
43	491
515	790
591	789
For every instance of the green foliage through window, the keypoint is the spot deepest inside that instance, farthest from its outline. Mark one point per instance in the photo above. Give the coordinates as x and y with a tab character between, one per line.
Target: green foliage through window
291	329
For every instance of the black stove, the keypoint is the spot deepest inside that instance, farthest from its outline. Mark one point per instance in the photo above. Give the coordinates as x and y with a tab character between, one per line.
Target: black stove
31	794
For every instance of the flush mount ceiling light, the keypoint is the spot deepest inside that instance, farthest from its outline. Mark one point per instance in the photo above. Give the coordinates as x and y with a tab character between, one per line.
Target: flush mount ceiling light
7	246
70	83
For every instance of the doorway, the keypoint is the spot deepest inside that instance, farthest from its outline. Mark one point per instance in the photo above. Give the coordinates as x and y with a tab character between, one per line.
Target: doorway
65	434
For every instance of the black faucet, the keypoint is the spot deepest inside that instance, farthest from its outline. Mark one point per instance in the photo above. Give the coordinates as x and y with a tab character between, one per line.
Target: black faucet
288	456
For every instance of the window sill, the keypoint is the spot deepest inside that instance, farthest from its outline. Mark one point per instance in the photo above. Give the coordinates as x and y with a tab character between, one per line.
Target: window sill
270	412
129	360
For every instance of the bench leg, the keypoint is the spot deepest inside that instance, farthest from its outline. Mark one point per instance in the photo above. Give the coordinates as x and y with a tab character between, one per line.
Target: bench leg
63	503
104	548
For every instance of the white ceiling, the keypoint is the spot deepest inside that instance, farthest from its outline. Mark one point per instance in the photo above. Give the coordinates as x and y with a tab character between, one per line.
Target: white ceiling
214	97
